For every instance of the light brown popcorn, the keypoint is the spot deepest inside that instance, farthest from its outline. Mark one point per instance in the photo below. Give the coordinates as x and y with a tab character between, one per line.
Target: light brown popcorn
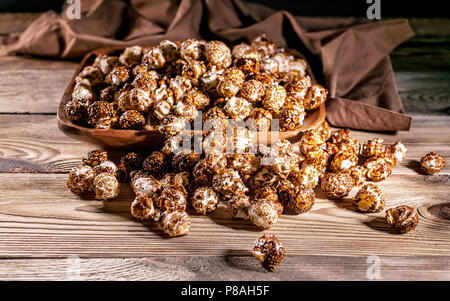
106	186
216	118
402	218
299	199
215	162
262	119
266	79
269	64
238	206
324	130
264	45
283	165
253	91
266	193
180	85
155	163
358	174
309	140
218	53
145	81
372	148
369	199
309	175
145	184
315	96
175	223
298	66
264	177
318	155
82	92
198	99
143	209
178	179
192	49
76	111
240	50
193	68
379	168
264	213
336	185
250	66
214	142
172	197
269	251
398	150
339	135
210	80
106	63
274	98
94	158
107	166
154	58
185	161
131	56
90	75
161	109
283	59
172	125
134	99
118	76
185	110
343	161
80	179
228	183
202	176
132	119
291	117
245	164
238	139
204	200
170	50
238	108
432	163
298	87
231	83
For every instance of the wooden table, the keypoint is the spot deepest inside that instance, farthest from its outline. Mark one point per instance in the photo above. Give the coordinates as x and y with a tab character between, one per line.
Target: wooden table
44	228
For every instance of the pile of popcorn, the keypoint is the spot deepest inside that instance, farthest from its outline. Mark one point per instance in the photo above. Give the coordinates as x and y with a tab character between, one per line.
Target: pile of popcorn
166	86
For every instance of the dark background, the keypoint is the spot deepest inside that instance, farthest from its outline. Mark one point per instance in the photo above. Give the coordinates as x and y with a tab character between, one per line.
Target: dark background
355	8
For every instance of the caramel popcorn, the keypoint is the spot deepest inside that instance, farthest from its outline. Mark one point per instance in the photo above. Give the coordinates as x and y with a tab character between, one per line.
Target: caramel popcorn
143	209
315	96
252	90
432	163
369	199
402	218
238	108
343	161
358	174
269	251
172	197
238	206
107	166
204	200
262	119
297	198
94	158
175	223
372	148
131	56
379	168
336	185
264	213
218	53
145	184
274	98
106	186
81	179
228	182
398	150
132	119
291	117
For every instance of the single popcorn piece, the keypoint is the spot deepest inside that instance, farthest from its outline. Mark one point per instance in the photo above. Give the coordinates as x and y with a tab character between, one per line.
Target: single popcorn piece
193	68
274	98
432	163
246	164
215	162
181	179
76	111
90	75
270	65
402	218
172	125
106	186
107	166
379	168
180	85
298	86
264	213
175	223
238	108
94	158
263	45
214	142
299	199
154	58
369	199
131	119
343	161
253	91
101	115
358	174
185	160
336	185
267	193
309	175
118	76
228	183
309	140
134	99
132	161
250	66
372	148
238	206
82	93
198	99
218	53
162	108
398	150
155	163
315	96
291	117
146	81
232	81
143	209
202	176
240	50
131	55
269	251
324	130
106	63
81	179
192	49
170	50
145	185
215	119
185	110
262	119
204	200
172	197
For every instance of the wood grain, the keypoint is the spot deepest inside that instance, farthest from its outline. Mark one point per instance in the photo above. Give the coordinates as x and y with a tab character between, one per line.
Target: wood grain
44	219
234	268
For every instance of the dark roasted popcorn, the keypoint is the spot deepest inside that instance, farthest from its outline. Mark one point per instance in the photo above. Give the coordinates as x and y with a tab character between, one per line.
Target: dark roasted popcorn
228	183
76	111
81	179
402	218
155	163
369	199
94	158
269	251
299	199
107	166
172	197
132	120
132	161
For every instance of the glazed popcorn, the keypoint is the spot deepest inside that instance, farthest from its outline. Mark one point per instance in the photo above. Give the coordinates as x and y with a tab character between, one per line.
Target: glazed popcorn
106	186
402	218
228	182
398	150
204	200
107	166
336	185
264	213
432	163
291	117
269	251
175	223
238	206
343	161
81	179
372	148
309	175
369	199
145	184
274	98
238	108
262	119
358	173
171	197
379	168
143	209
154	163
298	199
132	119
94	158
315	96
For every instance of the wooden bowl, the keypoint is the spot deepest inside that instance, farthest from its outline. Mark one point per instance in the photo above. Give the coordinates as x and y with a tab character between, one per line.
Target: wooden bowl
117	138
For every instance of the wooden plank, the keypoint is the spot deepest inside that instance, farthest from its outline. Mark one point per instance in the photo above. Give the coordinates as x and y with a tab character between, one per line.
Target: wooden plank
16	22
227	268
40	147
39	217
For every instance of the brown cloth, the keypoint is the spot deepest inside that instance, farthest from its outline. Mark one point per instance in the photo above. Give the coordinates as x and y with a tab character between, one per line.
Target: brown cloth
351	57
